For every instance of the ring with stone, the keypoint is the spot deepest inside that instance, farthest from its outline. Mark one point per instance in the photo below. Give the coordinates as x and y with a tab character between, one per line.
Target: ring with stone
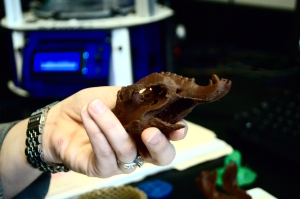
139	161
132	165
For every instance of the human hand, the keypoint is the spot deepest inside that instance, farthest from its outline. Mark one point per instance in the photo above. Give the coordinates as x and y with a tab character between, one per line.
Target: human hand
82	133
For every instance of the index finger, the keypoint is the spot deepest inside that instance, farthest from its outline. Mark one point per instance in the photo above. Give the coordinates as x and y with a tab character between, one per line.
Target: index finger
113	130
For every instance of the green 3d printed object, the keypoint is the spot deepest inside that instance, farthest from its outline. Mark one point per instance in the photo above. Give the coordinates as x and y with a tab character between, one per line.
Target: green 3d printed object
245	175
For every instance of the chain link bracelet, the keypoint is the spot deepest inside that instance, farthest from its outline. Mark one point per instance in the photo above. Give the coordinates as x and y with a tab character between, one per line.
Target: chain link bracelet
34	142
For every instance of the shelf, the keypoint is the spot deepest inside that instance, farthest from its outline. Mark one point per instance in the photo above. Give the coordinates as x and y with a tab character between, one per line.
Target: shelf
31	22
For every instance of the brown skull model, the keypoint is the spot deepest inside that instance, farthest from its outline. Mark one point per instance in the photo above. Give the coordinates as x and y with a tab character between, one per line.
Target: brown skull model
162	99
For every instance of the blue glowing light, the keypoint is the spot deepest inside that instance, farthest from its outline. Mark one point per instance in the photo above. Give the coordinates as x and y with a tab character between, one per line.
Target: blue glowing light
85	55
84	71
57	62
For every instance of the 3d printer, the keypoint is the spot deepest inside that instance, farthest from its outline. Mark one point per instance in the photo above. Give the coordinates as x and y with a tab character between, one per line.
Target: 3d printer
61	47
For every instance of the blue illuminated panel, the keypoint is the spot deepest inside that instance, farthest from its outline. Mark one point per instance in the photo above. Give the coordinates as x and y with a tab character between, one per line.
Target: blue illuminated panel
56	62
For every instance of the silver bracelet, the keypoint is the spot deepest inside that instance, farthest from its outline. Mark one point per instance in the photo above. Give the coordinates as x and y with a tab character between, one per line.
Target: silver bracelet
34	142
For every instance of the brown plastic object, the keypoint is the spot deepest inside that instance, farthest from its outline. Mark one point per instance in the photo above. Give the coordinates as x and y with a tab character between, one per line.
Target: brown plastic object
230	184
162	99
206	183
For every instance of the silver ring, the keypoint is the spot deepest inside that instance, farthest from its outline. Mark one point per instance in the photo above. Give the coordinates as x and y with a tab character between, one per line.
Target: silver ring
139	161
132	165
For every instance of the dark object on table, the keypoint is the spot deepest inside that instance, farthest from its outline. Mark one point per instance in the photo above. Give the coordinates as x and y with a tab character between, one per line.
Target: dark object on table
273	125
230	184
162	99
206	183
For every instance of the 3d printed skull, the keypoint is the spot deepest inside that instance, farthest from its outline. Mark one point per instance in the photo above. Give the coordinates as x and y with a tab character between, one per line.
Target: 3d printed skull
162	99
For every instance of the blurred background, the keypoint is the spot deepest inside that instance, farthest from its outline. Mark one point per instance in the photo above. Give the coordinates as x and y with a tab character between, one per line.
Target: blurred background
253	43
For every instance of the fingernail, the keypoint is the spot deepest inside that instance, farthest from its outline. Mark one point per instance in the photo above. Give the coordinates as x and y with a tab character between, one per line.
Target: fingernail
154	138
85	113
182	133
97	107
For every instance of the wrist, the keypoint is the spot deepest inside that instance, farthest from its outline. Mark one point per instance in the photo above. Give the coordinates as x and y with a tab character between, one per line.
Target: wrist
50	154
38	148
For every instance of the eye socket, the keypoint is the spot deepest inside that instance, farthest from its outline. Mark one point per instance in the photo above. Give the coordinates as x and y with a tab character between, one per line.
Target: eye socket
152	95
